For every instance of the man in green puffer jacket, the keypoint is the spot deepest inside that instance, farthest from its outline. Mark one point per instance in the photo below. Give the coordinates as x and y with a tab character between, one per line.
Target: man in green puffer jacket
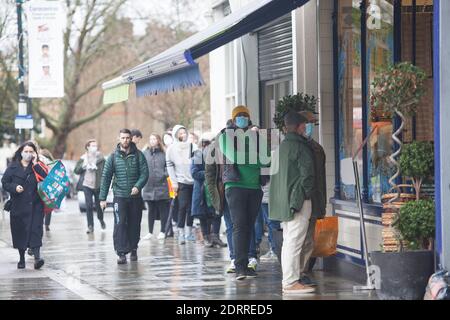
128	166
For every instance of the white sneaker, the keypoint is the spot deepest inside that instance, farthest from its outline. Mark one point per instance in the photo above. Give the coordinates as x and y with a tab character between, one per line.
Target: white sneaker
231	268
148	236
161	236
252	263
270	255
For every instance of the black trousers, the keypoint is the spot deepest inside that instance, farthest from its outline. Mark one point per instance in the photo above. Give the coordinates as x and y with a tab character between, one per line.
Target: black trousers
127	224
48	219
244	205
89	194
184	205
158	208
210	225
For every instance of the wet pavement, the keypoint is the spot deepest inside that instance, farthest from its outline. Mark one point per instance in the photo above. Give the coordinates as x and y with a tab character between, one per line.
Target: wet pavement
81	266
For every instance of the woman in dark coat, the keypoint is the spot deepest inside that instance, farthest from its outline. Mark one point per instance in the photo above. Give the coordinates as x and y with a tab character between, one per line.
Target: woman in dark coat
156	191
27	209
202	207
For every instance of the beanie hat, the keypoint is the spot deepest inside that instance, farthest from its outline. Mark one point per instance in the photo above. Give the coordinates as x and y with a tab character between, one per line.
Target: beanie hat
239	109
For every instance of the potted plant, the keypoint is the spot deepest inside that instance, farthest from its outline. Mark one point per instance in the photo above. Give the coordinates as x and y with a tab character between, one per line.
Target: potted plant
404	274
298	102
397	90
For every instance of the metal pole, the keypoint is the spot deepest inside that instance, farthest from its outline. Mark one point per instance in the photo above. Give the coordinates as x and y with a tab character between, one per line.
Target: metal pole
22	97
369	285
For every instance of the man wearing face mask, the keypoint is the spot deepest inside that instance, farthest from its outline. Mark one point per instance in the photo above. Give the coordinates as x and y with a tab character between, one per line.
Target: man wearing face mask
241	177
290	194
90	168
318	198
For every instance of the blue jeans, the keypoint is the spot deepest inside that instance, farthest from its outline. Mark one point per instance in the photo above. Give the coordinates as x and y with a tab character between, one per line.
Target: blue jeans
229	231
272	224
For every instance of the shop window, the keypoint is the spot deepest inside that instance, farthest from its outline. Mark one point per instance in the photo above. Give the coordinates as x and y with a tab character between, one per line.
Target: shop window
380	53
350	102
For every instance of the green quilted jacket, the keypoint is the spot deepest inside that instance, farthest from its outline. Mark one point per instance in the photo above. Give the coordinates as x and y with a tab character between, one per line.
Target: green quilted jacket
126	173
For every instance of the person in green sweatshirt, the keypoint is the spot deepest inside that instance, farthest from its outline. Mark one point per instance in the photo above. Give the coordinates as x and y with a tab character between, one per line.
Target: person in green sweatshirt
241	177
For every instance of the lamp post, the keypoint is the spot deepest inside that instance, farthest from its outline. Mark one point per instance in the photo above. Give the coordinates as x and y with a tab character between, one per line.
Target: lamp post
22	107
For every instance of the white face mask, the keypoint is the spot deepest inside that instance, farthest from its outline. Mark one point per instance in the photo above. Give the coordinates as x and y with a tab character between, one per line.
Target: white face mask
92	149
26	156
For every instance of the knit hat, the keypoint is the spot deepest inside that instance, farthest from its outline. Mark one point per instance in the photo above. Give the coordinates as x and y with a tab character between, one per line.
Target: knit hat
239	109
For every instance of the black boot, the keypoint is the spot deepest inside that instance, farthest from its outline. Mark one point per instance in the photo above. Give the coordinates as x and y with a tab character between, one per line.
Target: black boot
38	262
21	263
122	259
133	255
215	239
207	241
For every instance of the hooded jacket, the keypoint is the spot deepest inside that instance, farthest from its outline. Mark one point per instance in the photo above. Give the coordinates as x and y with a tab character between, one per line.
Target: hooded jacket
178	159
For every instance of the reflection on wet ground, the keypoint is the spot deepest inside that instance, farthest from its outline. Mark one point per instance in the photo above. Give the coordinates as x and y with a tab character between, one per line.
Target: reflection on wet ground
81	266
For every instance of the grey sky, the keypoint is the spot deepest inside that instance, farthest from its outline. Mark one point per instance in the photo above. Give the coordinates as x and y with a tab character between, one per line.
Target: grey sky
141	11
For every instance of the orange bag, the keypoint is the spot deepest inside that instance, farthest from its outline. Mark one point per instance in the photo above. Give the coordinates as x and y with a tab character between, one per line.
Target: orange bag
171	192
325	237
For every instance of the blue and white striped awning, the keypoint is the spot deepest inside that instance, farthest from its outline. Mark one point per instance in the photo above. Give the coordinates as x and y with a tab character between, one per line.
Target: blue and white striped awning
176	68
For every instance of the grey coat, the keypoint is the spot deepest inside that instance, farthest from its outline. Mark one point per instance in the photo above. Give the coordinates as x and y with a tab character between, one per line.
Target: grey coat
157	187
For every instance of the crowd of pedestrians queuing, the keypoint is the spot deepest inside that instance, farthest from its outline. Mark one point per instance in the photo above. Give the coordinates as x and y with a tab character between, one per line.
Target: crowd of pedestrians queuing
180	177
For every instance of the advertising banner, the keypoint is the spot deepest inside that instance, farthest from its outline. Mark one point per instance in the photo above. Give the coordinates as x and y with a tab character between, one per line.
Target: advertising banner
46	20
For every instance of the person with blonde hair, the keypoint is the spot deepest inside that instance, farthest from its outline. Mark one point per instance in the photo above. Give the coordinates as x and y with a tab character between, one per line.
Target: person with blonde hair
156	190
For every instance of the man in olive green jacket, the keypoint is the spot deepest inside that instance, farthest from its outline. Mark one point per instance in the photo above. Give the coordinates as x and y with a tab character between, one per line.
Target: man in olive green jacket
291	190
130	171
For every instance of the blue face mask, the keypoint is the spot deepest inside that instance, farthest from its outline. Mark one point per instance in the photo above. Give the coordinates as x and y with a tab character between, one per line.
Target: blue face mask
241	122
309	130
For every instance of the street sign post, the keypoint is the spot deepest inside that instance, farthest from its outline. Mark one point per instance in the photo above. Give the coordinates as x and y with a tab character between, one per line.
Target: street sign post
24	122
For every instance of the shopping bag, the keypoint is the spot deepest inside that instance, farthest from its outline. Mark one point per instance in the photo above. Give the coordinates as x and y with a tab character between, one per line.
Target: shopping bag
40	178
55	186
325	237
171	191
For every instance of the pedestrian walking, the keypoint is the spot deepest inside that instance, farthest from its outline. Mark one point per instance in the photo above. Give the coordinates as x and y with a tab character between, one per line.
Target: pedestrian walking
90	168
202	207
241	178
178	158
156	191
136	136
26	207
128	167
290	194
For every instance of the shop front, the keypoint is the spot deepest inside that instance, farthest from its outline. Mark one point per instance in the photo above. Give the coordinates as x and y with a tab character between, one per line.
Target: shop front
369	35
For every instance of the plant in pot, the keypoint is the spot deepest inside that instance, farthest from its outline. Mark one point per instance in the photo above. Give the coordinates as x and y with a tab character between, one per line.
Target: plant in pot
396	90
404	274
298	102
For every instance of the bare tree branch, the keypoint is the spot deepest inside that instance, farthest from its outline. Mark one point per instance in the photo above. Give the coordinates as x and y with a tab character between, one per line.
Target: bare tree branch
92	116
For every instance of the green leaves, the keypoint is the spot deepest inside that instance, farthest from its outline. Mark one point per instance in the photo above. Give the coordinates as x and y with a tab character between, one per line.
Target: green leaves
298	102
416	223
417	160
397	87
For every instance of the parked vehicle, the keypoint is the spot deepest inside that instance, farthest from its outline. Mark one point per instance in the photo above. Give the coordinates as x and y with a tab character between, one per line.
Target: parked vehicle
82	200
